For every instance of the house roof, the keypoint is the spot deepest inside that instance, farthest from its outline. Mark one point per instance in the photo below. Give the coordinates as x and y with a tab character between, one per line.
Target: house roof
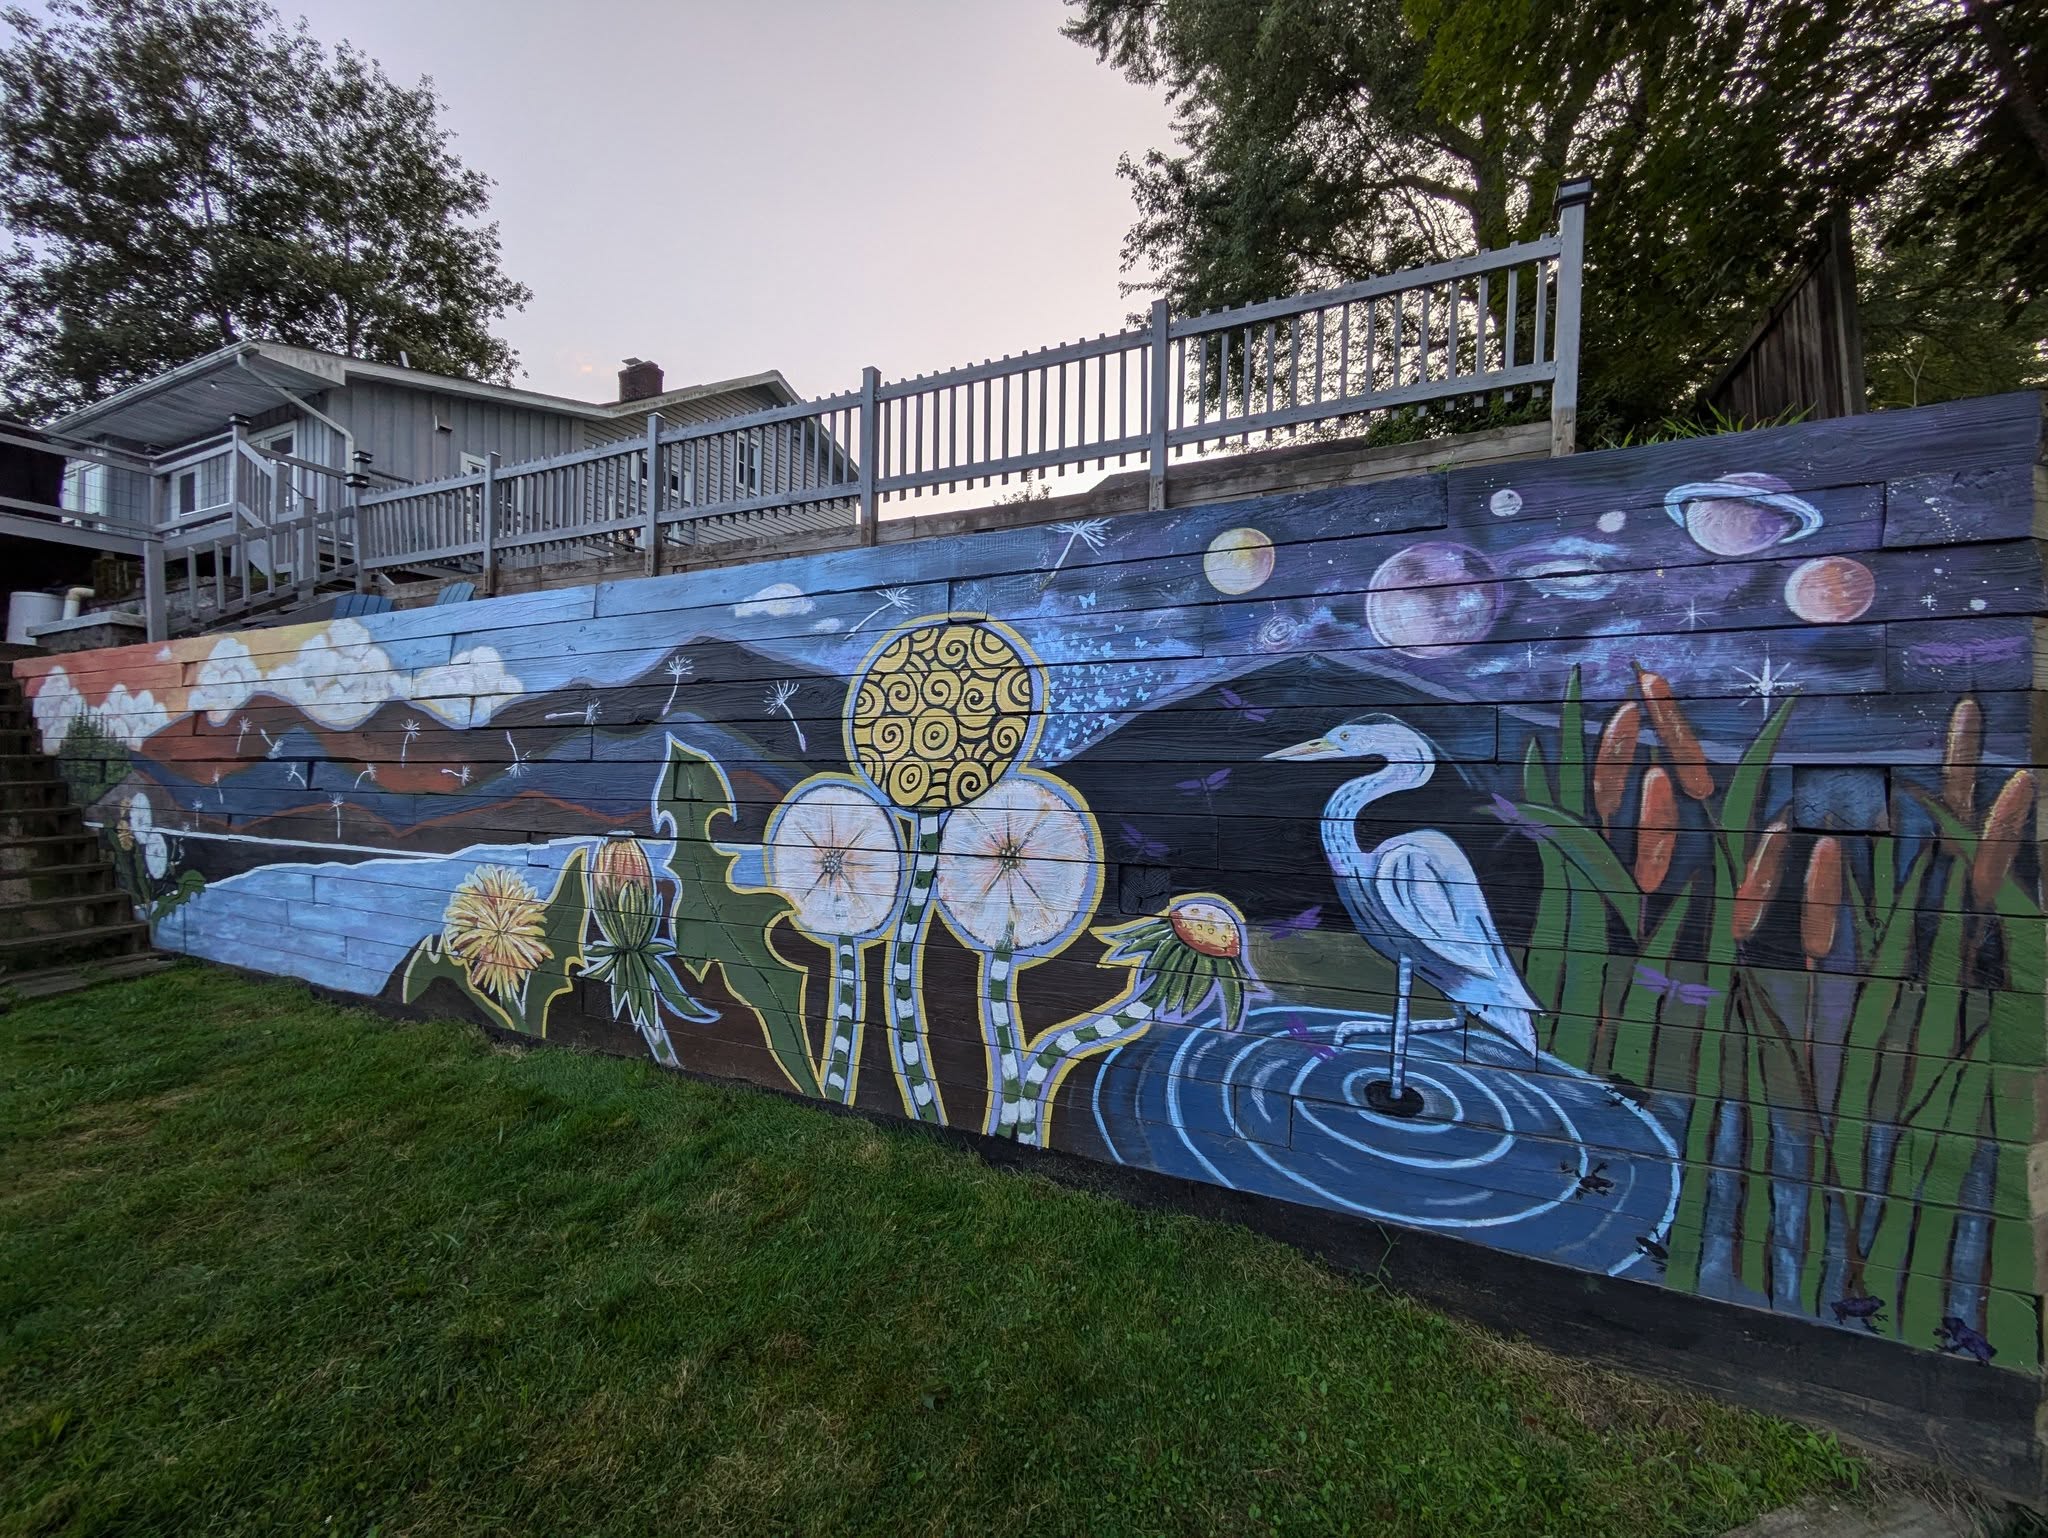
190	400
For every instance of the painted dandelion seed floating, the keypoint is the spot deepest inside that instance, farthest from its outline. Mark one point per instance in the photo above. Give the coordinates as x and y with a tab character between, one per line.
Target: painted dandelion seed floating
1091	532
291	773
517	768
460	774
241	731
369	773
897	598
678	668
411	729
335	801
777	700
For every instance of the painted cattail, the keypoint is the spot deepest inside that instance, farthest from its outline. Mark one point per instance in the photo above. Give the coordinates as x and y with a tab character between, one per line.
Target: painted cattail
1822	909
1759	880
1676	733
2004	826
1959	777
1614	758
1656	830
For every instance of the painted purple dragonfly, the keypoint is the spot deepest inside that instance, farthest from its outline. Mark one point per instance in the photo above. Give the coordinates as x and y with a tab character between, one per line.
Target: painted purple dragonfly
1300	924
1695	994
1205	787
1519	820
1320	1049
1244	707
1139	847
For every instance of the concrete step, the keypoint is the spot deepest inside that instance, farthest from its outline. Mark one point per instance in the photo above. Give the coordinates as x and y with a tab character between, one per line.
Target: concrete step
27	766
64	913
80	878
20	987
72	947
18	822
31	852
34	793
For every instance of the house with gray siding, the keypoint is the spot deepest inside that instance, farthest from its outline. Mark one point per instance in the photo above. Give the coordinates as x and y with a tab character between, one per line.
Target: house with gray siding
260	430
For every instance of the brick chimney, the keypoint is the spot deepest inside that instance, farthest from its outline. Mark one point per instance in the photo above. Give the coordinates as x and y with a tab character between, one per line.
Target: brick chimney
639	379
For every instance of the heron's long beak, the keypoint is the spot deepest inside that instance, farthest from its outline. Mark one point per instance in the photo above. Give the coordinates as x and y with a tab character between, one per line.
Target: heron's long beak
1315	747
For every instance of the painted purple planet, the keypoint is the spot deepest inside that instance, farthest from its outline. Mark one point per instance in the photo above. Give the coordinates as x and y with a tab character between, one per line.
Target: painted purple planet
1741	514
1433	596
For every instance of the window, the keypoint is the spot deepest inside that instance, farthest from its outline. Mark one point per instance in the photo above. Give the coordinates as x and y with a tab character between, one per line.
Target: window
185	493
473	464
747	467
282	441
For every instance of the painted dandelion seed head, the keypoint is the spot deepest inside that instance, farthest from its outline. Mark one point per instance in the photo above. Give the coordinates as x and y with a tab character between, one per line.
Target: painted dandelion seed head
493	926
832	850
680	666
1089	531
1018	867
779	696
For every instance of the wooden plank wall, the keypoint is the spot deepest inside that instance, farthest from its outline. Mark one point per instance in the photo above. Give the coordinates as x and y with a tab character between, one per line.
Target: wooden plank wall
1628	860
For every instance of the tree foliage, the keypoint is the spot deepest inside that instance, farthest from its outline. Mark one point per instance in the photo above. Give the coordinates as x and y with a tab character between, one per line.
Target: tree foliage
1320	141
177	175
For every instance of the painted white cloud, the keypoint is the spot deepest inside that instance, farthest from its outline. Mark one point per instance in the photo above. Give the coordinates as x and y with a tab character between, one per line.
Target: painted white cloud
826	624
340	676
467	690
778	600
132	719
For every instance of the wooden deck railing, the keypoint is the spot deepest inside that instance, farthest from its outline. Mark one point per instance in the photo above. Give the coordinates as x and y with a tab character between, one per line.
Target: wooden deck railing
1221	382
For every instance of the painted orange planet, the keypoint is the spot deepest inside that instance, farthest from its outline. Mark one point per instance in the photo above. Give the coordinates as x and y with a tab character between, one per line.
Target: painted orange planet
1830	590
1238	560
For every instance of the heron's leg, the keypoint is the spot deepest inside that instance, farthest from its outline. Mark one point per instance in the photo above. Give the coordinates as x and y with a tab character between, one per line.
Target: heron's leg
1397	1076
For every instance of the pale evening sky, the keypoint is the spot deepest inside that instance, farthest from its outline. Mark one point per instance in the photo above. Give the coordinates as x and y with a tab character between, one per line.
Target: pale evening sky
794	184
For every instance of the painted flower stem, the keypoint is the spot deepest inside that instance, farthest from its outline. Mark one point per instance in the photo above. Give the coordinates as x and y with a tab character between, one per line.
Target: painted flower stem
1007	1111
1064	1045
844	1025
908	1043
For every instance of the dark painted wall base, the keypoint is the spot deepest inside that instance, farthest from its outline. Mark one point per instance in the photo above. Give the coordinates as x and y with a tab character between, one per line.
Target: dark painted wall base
1974	1422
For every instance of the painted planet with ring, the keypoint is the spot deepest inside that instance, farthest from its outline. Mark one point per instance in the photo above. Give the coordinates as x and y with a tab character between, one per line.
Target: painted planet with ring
1238	561
1830	590
1433	596
1741	514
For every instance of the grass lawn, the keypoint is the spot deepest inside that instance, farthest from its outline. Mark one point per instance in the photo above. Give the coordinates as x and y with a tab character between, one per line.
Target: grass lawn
269	1265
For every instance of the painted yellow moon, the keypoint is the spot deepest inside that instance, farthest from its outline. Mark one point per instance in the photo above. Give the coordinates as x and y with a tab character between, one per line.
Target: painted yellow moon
1238	561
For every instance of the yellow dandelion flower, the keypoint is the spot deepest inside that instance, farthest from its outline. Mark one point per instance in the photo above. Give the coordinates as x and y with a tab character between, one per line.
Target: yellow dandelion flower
493	926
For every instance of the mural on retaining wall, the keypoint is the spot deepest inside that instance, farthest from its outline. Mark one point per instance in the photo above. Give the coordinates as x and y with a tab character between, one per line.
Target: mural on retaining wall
1623	860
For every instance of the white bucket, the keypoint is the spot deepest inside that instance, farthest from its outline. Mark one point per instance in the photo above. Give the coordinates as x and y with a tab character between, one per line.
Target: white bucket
27	609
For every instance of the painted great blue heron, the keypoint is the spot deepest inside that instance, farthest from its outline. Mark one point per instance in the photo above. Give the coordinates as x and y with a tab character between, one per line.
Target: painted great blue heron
1415	899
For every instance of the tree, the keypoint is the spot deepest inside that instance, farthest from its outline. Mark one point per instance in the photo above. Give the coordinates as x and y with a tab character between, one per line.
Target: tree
177	175
1322	141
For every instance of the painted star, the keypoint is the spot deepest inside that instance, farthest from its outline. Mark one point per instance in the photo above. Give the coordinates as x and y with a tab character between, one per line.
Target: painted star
1770	682
1693	616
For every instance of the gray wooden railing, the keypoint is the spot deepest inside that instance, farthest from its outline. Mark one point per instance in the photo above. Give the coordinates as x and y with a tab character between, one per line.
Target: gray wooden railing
1220	382
1216	383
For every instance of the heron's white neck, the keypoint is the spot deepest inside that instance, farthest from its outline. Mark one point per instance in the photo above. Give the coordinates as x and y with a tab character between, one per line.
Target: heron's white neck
1340	815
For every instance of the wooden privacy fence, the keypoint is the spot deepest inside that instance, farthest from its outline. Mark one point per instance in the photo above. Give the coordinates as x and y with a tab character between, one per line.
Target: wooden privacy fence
1222	381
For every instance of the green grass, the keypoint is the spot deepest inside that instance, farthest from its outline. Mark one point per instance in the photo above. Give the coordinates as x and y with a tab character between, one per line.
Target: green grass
269	1265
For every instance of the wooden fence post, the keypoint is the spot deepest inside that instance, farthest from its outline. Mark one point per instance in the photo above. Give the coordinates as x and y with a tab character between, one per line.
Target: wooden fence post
489	476
1162	346
1571	273
155	608
655	481
870	446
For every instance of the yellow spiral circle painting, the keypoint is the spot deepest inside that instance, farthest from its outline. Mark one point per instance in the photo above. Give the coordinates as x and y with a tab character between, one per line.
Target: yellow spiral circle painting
942	710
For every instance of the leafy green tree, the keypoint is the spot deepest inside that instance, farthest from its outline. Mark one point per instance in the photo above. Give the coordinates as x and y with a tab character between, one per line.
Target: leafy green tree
176	175
1320	141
